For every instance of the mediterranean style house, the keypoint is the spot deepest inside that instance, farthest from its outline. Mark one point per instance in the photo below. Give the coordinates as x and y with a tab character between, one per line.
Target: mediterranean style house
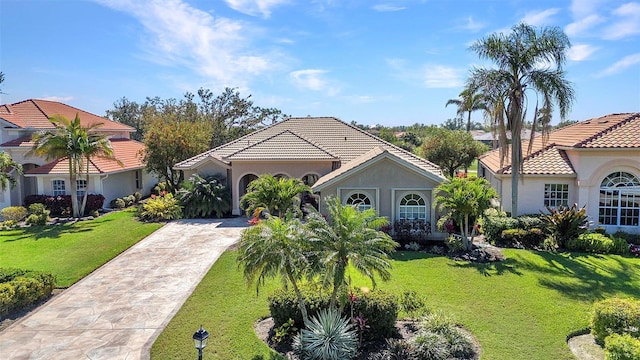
594	163
112	180
335	159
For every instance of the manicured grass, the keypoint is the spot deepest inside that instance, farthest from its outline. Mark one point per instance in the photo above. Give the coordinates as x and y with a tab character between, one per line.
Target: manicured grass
72	251
522	308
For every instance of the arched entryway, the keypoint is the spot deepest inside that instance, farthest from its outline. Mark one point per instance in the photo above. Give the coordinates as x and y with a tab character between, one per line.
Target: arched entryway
244	183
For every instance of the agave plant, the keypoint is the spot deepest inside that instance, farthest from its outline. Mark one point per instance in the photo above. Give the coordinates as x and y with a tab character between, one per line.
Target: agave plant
328	336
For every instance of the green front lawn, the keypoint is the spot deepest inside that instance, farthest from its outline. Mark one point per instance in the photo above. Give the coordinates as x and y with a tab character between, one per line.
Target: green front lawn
522	308
72	251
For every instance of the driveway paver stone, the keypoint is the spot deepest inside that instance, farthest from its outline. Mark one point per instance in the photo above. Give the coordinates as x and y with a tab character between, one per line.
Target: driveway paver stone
119	310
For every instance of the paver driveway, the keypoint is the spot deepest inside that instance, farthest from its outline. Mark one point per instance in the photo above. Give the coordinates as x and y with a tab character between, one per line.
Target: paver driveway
119	310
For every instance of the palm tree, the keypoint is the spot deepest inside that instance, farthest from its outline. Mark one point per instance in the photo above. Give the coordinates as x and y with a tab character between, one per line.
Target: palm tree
526	59
71	140
7	165
276	195
276	247
465	199
96	145
469	101
349	236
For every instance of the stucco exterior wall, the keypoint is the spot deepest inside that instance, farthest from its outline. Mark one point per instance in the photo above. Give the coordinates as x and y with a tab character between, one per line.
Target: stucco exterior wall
386	182
592	167
292	169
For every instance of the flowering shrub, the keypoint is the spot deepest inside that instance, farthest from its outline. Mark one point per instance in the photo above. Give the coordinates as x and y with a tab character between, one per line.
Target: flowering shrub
634	250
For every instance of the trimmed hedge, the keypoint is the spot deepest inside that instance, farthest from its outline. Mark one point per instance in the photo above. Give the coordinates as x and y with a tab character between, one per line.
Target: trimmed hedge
527	238
14	213
378	308
21	288
598	243
615	316
494	226
621	347
61	205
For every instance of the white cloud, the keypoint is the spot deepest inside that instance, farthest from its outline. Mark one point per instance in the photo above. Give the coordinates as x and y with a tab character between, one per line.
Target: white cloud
580	52
61	99
582	8
628	24
472	25
177	34
538	18
386	7
577	28
313	79
428	75
440	76
622	64
255	7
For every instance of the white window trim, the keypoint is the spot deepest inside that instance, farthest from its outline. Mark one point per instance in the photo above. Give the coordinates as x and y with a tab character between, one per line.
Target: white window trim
373	193
556	200
53	189
398	193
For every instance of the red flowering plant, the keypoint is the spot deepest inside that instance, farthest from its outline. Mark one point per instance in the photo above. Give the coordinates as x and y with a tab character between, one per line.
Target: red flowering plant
634	250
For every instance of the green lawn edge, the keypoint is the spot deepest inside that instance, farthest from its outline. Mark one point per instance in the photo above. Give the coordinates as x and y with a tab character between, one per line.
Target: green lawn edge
522	308
74	250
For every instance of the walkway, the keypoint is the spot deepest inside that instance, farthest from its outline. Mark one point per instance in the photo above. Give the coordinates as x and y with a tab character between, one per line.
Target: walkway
119	310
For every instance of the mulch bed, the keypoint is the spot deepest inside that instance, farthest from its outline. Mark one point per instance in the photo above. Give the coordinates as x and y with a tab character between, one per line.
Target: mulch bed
407	330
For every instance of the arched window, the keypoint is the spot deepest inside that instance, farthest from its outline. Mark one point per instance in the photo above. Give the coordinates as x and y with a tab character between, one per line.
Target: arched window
619	200
360	201
310	179
413	207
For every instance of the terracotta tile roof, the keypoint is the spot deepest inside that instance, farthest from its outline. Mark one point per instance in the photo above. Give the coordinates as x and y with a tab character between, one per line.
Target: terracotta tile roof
35	114
610	131
24	141
342	140
283	146
125	150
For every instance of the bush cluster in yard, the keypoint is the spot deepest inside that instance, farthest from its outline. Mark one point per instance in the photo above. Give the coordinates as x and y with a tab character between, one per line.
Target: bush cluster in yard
598	243
61	205
160	208
38	215
21	288
531	234
622	347
377	308
14	213
438	338
615	316
125	201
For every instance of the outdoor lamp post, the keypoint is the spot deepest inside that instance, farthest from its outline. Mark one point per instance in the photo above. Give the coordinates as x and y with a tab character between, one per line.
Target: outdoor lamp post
200	340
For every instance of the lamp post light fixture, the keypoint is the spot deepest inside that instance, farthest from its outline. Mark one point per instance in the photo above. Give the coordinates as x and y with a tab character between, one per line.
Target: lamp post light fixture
200	340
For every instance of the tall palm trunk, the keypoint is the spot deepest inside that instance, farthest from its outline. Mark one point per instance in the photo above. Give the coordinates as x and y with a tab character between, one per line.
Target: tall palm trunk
337	284
296	289
86	189
74	194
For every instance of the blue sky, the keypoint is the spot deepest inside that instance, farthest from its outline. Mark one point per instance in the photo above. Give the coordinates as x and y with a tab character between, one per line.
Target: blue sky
375	62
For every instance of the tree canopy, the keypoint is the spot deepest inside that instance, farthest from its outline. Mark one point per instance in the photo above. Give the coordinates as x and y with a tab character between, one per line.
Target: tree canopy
229	114
169	139
451	149
8	166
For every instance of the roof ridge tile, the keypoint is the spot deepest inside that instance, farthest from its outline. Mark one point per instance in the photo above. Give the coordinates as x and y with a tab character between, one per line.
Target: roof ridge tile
628	119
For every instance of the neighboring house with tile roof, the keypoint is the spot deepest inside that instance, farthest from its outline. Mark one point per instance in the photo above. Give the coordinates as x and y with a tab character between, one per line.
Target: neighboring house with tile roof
21	120
335	158
593	163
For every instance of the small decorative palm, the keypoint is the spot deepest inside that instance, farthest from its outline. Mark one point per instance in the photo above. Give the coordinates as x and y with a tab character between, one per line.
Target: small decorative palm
328	336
